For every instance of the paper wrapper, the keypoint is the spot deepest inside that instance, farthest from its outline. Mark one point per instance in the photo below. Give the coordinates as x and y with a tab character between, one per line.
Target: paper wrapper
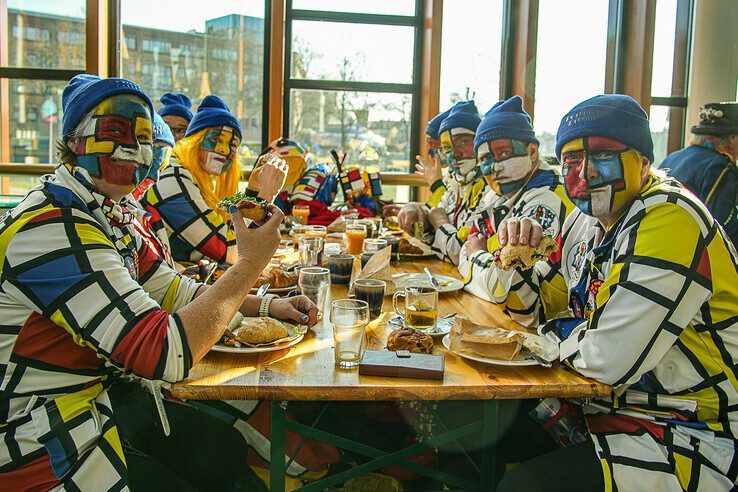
378	267
468	337
338	225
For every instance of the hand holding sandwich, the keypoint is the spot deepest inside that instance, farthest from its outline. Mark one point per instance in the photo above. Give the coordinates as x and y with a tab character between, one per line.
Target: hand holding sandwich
522	244
523	231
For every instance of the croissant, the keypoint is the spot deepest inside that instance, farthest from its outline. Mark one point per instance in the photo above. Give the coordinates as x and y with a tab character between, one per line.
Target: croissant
261	330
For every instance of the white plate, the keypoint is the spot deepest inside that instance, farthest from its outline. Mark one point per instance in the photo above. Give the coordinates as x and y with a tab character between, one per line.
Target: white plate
520	359
453	284
406	256
443	326
264	348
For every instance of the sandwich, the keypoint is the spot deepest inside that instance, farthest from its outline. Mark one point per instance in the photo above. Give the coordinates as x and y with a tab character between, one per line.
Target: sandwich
524	256
485	341
251	207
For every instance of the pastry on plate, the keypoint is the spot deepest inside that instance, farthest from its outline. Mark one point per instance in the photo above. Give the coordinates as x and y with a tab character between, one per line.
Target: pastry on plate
405	247
410	339
261	330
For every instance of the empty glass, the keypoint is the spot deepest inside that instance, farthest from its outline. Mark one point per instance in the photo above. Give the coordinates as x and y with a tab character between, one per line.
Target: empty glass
315	282
311	251
349	318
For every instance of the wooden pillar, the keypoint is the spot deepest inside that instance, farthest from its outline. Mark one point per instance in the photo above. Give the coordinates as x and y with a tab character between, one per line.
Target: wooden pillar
98	42
636	57
276	69
431	67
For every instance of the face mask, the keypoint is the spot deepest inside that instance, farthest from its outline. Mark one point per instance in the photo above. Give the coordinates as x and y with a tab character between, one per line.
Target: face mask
115	145
506	165
219	145
457	152
600	175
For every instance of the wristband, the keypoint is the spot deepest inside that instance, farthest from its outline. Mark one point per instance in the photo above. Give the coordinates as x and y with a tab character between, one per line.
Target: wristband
264	306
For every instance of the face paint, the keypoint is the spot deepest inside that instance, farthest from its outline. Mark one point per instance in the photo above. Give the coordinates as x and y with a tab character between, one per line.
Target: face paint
433	145
601	175
159	162
219	147
115	141
505	164
457	152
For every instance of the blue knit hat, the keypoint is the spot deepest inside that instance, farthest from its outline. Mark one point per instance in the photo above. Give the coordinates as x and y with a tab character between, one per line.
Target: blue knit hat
435	123
162	132
463	114
506	119
84	92
176	104
212	112
614	116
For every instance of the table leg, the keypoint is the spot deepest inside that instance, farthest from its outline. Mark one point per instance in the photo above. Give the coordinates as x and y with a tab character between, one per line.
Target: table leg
278	432
490	414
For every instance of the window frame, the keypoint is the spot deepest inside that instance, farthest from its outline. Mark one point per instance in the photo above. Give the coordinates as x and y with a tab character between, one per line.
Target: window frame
413	88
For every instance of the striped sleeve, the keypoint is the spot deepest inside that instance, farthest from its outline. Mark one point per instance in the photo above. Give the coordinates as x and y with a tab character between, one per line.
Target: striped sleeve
178	201
76	278
658	281
438	190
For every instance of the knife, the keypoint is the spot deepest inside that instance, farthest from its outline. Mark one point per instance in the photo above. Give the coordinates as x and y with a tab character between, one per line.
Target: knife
262	290
433	280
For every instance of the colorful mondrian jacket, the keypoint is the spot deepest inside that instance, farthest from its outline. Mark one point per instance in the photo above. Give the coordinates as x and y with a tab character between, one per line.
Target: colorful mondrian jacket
82	303
651	307
460	204
195	231
542	199
439	189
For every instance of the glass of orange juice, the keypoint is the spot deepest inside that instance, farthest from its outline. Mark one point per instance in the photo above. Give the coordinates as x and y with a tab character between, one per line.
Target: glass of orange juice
301	212
355	235
317	231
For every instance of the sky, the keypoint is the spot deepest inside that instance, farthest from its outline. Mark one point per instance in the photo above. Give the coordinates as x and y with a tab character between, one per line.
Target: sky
570	58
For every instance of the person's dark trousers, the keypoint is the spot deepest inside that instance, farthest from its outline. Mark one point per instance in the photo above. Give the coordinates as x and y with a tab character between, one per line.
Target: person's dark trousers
200	453
571	469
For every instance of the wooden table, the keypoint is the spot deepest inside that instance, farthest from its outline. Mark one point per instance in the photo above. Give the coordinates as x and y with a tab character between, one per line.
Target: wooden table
307	372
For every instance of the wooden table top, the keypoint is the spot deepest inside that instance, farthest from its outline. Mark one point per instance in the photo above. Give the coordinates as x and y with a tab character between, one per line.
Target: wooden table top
307	370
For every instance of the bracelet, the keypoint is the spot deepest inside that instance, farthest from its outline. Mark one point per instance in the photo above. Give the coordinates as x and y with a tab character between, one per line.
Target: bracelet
264	306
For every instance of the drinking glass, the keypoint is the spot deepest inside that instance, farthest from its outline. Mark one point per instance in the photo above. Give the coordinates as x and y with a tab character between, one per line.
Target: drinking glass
311	251
355	235
301	212
315	282
349	317
421	306
371	246
317	231
371	290
298	231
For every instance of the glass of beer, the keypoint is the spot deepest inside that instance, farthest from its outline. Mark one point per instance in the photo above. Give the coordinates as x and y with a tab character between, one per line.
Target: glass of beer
349	318
421	306
355	235
301	212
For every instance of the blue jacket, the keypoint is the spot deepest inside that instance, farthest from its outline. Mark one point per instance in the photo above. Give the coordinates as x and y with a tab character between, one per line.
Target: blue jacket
713	178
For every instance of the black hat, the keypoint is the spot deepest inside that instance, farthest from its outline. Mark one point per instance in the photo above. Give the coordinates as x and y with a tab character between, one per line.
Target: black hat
718	119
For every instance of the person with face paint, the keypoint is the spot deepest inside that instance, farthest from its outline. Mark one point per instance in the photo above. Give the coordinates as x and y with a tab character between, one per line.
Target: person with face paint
523	184
452	220
204	169
431	169
93	315
707	166
649	307
148	224
176	111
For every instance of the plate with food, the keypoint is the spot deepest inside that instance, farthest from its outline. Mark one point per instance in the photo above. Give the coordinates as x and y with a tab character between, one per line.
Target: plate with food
256	335
279	280
413	248
499	346
392	225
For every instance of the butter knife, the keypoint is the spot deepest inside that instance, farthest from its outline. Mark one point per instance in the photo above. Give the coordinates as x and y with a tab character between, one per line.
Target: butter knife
433	280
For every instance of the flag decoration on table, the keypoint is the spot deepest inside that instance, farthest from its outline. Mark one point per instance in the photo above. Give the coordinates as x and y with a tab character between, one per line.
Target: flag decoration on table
352	182
375	183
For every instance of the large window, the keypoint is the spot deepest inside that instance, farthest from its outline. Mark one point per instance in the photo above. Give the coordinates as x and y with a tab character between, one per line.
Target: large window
41	48
353	80
470	52
180	46
669	80
570	61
